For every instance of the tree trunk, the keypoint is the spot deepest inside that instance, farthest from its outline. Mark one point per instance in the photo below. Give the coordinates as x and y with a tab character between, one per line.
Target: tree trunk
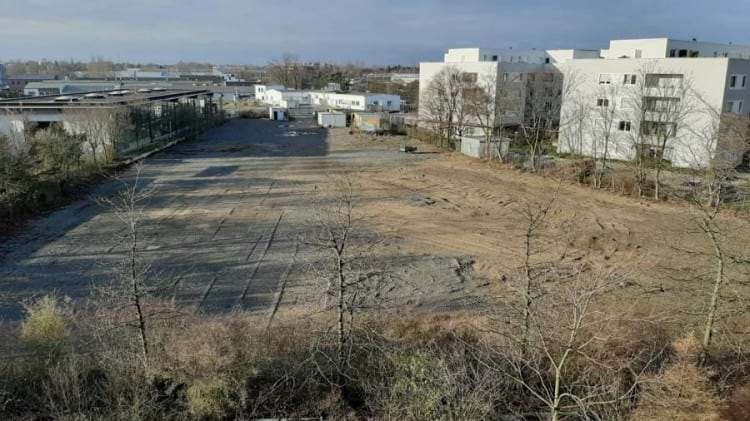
716	292
137	296
341	309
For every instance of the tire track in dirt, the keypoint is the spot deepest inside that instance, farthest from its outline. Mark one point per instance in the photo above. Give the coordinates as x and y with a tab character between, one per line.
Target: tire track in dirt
282	285
261	258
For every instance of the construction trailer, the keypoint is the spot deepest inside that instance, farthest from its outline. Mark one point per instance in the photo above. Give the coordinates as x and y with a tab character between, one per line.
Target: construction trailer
369	122
331	119
277	113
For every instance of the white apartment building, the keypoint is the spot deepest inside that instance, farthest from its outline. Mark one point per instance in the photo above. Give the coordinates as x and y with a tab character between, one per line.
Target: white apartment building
635	90
507	69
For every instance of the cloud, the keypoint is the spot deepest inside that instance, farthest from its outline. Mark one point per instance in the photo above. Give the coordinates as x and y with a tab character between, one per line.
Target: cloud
384	31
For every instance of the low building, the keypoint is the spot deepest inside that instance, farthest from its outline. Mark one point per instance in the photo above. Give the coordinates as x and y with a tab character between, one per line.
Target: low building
138	74
261	92
661	98
369	102
16	84
154	114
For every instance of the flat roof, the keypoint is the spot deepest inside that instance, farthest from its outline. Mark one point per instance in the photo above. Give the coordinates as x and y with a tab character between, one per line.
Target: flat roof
79	100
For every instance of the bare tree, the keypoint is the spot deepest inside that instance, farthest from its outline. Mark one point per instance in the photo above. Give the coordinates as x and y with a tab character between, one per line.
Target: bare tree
349	280
443	101
287	71
541	114
135	284
661	102
721	143
568	368
607	114
490	102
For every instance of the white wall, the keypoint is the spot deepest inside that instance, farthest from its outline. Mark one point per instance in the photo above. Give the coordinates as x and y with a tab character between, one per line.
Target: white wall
708	76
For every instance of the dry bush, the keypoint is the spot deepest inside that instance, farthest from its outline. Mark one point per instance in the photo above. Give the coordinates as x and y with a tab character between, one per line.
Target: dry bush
682	390
738	406
45	330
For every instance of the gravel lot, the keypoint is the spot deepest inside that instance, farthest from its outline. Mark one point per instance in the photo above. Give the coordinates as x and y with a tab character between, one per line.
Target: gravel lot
223	224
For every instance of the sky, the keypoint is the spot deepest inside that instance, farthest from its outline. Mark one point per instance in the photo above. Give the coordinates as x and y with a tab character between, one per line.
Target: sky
344	31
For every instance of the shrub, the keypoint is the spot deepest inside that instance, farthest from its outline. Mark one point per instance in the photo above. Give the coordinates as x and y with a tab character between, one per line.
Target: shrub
212	399
682	391
45	329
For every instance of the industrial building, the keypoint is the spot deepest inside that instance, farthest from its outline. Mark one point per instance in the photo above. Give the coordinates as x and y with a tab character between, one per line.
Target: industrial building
138	74
154	114
279	96
17	84
642	87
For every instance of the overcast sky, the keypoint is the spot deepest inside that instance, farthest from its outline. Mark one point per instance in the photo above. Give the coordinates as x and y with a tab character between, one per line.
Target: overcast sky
370	31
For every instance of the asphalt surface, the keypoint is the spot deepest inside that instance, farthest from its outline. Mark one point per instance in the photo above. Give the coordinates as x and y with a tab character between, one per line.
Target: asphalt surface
221	227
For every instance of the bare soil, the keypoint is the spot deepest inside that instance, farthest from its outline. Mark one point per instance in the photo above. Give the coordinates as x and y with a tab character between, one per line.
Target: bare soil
229	207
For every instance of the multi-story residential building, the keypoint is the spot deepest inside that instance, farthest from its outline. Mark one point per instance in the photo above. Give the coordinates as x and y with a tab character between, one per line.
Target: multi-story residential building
662	98
523	78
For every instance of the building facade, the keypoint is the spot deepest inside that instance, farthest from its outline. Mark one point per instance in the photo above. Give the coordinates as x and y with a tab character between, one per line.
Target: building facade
665	99
515	81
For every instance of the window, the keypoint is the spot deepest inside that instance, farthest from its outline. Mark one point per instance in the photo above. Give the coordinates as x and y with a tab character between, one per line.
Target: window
546	60
389	103
638	53
663	80
506	76
624	126
629	79
735	106
494	58
672	53
682	53
605	78
602	102
469	77
694	53
737	81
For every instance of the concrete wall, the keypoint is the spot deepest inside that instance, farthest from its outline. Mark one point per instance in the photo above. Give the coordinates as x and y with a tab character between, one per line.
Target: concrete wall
650	48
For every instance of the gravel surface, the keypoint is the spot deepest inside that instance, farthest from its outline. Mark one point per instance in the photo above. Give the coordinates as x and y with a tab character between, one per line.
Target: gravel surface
224	222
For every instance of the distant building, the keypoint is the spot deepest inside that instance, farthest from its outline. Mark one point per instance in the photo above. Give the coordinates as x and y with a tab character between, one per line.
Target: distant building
261	92
3	78
352	101
403	78
279	96
16	84
154	109
138	74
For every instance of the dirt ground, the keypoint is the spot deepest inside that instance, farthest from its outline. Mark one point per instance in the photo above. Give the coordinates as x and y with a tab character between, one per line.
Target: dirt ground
228	209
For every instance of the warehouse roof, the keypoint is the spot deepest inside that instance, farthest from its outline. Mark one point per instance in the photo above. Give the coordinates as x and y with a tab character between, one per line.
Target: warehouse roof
100	99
